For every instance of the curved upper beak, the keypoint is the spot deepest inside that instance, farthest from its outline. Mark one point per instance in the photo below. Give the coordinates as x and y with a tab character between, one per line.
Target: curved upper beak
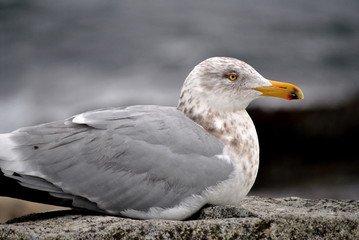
281	90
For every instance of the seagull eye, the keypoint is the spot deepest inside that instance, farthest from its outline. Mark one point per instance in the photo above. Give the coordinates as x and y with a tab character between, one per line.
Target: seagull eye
232	76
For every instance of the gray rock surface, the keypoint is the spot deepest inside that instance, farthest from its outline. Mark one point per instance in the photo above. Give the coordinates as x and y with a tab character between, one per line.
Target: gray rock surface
254	218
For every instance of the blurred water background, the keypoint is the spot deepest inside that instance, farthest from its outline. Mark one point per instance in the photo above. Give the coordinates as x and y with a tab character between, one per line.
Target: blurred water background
59	58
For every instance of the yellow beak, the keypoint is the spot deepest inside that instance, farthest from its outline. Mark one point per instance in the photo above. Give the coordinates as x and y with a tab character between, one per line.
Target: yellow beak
281	90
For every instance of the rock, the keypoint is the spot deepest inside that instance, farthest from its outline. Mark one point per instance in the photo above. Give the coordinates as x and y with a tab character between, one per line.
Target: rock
255	218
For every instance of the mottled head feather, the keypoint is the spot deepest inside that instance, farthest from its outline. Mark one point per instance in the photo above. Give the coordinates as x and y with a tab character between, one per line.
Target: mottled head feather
208	86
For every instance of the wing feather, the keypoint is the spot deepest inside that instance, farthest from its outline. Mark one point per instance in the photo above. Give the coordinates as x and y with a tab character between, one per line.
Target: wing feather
118	158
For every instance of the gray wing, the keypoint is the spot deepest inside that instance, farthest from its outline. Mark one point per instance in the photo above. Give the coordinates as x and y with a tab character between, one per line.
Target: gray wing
115	159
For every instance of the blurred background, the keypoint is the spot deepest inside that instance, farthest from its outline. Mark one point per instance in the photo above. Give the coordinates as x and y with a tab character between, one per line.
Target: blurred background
59	58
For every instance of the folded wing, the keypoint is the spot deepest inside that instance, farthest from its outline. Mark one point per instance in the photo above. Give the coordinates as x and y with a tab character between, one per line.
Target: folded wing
111	160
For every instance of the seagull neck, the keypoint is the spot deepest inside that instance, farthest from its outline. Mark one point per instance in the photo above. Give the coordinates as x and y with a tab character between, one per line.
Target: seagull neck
235	129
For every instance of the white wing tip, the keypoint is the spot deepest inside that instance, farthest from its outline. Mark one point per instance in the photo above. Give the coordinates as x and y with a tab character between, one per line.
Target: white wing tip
79	119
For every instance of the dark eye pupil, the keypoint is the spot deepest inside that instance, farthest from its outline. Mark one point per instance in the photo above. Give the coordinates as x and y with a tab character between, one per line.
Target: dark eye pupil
232	76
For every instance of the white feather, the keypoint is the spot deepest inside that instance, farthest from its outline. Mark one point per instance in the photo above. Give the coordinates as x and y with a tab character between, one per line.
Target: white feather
179	212
79	119
7	146
11	160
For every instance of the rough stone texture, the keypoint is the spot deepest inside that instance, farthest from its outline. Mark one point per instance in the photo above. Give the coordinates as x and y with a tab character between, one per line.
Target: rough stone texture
255	218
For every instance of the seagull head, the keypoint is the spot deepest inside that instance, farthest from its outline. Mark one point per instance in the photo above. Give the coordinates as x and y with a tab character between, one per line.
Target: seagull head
229	84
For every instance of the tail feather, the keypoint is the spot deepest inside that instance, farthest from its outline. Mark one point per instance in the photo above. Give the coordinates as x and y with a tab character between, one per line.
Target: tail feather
19	180
11	160
7	147
10	179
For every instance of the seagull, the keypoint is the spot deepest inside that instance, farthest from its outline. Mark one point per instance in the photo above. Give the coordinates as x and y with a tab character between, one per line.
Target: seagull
146	161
